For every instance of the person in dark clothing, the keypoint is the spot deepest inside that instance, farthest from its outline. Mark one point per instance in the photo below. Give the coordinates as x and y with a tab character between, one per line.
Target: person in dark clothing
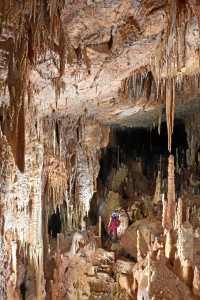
113	225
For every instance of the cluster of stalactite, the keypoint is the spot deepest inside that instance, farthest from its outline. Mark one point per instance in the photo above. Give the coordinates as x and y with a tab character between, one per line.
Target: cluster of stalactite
36	28
170	59
71	165
166	74
140	84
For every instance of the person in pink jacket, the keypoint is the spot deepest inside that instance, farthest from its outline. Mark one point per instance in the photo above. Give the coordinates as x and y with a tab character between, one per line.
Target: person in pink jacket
113	225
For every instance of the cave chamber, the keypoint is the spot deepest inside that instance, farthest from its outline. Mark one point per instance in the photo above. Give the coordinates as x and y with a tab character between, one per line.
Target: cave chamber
99	113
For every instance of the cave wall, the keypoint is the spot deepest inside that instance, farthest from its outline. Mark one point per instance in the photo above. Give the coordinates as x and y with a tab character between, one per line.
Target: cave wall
61	165
71	160
21	204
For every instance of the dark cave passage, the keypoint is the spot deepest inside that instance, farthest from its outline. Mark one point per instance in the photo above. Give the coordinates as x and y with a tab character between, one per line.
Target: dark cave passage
23	290
145	145
54	224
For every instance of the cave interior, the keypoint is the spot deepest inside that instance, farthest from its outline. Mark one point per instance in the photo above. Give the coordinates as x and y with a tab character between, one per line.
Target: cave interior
100	121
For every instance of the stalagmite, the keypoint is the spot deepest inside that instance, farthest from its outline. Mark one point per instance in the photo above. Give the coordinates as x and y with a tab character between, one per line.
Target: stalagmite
164	212
138	245
185	253
112	287
117	283
52	288
58	261
187	273
100	227
169	245
196	281
188	214
14	261
157	195
180	212
149	270
185	241
170	194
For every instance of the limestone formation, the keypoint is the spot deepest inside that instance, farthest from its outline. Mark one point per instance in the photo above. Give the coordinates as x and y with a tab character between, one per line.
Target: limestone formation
170	214
80	239
99	113
157	196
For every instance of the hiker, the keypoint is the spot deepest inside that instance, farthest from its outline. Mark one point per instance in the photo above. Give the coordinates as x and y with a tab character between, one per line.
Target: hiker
113	225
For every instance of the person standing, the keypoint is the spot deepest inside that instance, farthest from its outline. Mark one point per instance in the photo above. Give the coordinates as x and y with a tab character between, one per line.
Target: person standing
113	225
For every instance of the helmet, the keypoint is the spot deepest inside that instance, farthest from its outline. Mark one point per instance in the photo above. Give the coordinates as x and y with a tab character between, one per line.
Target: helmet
115	215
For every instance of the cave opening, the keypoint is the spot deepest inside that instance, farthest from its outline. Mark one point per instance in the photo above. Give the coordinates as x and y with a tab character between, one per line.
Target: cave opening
54	223
23	290
146	145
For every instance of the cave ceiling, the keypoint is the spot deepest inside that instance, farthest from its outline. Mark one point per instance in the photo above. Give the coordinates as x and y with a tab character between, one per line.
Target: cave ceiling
107	59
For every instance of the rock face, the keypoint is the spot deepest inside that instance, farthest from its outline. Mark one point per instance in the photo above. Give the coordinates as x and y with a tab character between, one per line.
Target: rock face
50	175
71	73
87	274
146	227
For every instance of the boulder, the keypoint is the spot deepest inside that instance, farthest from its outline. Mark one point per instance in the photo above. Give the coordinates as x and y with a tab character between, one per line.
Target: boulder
129	239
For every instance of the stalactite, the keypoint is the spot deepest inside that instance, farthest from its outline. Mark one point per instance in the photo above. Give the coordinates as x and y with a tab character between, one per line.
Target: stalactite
173	104
171	54
172	26
181	36
159	121
169	111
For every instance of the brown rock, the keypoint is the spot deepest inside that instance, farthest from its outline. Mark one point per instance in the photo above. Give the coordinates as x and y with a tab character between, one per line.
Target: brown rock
129	239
